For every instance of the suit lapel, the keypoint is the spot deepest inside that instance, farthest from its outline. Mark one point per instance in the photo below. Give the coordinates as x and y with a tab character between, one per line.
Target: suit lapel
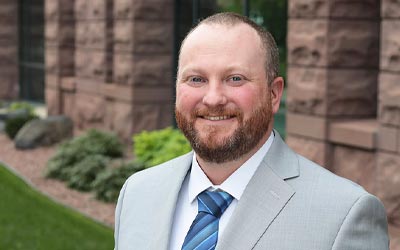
264	198
169	192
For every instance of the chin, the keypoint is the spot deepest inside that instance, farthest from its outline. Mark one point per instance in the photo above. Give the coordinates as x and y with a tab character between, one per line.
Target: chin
215	137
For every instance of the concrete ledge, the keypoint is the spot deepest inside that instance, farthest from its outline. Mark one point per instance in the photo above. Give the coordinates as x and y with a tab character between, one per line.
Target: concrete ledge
357	133
109	90
388	139
117	91
306	125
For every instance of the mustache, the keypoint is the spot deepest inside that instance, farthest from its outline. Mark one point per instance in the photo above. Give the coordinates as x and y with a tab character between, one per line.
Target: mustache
216	111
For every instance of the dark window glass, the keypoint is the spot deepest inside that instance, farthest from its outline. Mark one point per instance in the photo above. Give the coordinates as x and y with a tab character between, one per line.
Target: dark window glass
272	15
31	50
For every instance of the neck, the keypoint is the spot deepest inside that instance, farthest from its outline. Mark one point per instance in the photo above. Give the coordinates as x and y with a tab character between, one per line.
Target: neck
217	173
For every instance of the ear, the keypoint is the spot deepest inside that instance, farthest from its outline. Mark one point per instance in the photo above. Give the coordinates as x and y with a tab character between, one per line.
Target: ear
276	89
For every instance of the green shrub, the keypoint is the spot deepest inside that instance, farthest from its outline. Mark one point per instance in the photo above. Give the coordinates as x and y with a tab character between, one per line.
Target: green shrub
99	142
83	173
155	147
67	155
19	114
93	142
22	106
14	124
109	182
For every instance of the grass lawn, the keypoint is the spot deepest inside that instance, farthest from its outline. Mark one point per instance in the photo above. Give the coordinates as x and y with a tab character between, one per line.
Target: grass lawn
29	220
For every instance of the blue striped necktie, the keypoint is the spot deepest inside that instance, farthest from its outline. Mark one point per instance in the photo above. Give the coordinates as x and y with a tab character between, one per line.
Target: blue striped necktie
203	233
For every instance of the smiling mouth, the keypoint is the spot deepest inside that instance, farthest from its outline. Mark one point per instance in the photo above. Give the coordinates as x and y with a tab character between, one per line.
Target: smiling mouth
217	118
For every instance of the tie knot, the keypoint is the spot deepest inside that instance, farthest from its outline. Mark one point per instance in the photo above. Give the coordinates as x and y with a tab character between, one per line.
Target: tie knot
214	202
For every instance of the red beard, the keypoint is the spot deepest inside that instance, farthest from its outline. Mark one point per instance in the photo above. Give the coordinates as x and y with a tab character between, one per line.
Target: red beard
245	137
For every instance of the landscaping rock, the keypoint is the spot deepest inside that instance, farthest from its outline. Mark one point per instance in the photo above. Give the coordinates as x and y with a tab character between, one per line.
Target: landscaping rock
6	115
3	114
44	132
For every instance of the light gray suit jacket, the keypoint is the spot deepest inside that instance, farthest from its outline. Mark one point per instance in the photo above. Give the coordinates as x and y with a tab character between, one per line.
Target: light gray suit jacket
290	204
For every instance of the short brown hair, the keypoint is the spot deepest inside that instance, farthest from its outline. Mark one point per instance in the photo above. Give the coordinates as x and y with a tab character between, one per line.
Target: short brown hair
268	42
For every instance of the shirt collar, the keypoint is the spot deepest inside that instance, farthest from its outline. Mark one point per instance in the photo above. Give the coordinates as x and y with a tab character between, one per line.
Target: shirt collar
235	184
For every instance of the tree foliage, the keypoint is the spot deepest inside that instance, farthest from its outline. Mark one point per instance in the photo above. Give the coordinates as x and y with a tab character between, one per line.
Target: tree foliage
271	14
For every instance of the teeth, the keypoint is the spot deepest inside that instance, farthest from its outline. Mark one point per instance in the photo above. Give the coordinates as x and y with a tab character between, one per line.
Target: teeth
216	118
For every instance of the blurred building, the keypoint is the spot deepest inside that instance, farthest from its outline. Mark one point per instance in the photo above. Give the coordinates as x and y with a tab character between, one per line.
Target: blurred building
110	64
343	96
106	63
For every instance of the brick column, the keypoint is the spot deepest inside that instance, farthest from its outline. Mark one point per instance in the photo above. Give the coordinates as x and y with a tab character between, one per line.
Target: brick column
92	59
389	117
333	60
59	55
9	50
123	66
143	59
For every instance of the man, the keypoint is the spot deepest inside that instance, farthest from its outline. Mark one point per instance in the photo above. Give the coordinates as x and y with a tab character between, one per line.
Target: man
266	196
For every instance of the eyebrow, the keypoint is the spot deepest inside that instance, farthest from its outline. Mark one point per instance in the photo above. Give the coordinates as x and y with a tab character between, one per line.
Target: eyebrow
190	70
229	69
236	67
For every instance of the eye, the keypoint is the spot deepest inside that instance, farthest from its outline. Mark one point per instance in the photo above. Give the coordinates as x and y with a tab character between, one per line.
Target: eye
236	78
195	80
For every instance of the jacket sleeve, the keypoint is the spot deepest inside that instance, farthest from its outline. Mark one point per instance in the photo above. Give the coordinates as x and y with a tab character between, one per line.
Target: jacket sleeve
365	227
118	210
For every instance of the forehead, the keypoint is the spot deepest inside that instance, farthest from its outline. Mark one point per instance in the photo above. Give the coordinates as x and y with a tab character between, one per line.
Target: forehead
227	39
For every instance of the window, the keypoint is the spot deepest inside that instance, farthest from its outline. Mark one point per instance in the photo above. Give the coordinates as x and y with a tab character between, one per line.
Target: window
31	50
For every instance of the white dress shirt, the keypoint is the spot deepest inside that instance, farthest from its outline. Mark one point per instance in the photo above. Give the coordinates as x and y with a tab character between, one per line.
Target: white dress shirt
196	182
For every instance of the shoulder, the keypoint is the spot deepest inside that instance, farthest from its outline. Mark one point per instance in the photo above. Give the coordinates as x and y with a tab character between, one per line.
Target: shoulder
307	177
162	171
140	189
330	196
366	217
145	193
345	206
339	197
320	178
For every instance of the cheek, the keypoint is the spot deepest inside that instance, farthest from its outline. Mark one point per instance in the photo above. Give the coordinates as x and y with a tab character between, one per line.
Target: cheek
187	98
249	99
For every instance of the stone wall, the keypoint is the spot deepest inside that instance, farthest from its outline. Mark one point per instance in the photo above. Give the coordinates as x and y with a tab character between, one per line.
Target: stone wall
59	52
118	70
9	87
333	61
388	163
143	59
335	116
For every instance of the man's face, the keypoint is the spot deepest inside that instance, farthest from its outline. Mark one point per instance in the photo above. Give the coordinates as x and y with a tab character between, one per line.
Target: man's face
223	103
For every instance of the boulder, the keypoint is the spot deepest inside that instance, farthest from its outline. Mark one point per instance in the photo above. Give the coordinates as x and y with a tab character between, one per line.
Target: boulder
6	115
44	132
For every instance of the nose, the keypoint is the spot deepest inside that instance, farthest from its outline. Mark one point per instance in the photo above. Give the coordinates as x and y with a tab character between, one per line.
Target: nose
215	95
